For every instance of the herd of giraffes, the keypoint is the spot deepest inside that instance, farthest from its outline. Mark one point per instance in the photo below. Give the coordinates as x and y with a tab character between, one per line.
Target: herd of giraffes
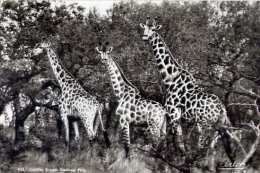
184	99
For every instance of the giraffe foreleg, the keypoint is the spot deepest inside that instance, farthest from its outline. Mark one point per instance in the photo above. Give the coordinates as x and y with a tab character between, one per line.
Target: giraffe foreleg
66	127
126	139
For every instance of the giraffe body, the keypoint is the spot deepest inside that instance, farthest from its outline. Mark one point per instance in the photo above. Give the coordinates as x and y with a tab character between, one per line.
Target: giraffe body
75	101
181	88
132	108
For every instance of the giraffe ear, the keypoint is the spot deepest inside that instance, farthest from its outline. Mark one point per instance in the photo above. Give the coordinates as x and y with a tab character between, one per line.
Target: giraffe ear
110	49
158	27
98	49
142	25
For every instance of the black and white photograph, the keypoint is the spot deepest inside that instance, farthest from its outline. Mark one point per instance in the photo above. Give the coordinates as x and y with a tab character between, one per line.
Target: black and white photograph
129	86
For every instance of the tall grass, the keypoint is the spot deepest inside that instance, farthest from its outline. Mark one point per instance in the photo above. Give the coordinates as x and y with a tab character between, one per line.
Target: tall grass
28	158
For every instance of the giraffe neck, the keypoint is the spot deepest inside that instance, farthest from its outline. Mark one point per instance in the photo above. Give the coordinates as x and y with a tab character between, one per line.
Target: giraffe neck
119	82
168	66
59	70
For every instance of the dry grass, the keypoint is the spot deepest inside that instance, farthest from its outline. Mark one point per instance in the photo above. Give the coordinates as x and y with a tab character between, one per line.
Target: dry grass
31	159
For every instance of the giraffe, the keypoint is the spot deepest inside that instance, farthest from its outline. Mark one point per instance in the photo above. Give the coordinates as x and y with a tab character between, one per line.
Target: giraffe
132	107
75	102
182	91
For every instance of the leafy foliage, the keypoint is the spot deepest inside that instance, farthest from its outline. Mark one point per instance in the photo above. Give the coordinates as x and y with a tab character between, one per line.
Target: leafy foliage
217	43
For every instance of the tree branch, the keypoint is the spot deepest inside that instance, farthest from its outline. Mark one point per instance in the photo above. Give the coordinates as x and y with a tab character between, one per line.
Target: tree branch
255	144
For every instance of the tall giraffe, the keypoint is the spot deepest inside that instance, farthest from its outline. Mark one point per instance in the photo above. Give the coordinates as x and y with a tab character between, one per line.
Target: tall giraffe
75	102
181	88
132	108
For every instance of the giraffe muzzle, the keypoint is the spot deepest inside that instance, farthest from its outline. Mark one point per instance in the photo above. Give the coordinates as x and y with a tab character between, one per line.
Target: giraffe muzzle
145	37
103	60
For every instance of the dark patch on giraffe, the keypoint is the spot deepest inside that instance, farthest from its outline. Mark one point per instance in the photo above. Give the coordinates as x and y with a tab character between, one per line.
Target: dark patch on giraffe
169	70
167	80
158	61
204	96
138	118
176	100
132	108
63	80
132	101
62	74
167	60
115	86
188	104
119	78
155	51
137	97
132	115
127	98
120	111
127	119
160	45
58	69
183	77
200	94
183	100
154	46
160	66
189	86
125	111
169	102
127	106
121	84
150	107
161	51
163	75
155	41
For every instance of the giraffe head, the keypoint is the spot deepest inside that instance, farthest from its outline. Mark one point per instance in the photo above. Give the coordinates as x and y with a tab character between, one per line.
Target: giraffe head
104	51
149	28
40	47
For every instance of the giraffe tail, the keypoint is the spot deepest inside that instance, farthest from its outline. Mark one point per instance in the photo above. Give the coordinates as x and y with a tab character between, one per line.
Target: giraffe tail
107	140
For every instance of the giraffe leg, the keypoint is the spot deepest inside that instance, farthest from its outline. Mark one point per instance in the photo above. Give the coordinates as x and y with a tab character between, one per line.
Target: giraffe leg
76	129
202	141
177	131
126	139
67	138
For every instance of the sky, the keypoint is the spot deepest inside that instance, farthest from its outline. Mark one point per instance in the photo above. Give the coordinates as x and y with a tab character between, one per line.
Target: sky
102	5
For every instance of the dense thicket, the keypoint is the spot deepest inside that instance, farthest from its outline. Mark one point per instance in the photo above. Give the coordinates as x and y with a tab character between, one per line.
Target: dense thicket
218	43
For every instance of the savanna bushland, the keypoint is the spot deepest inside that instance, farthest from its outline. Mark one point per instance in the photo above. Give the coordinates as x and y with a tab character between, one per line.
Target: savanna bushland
217	42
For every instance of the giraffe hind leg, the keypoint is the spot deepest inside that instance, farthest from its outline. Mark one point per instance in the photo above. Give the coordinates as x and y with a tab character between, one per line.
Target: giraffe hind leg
178	137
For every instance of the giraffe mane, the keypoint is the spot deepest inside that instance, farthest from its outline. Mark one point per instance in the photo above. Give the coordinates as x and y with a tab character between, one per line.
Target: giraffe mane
124	78
62	65
171	57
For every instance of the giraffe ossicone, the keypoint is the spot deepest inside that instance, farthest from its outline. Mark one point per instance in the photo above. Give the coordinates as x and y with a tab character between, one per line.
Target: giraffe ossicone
74	101
132	108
